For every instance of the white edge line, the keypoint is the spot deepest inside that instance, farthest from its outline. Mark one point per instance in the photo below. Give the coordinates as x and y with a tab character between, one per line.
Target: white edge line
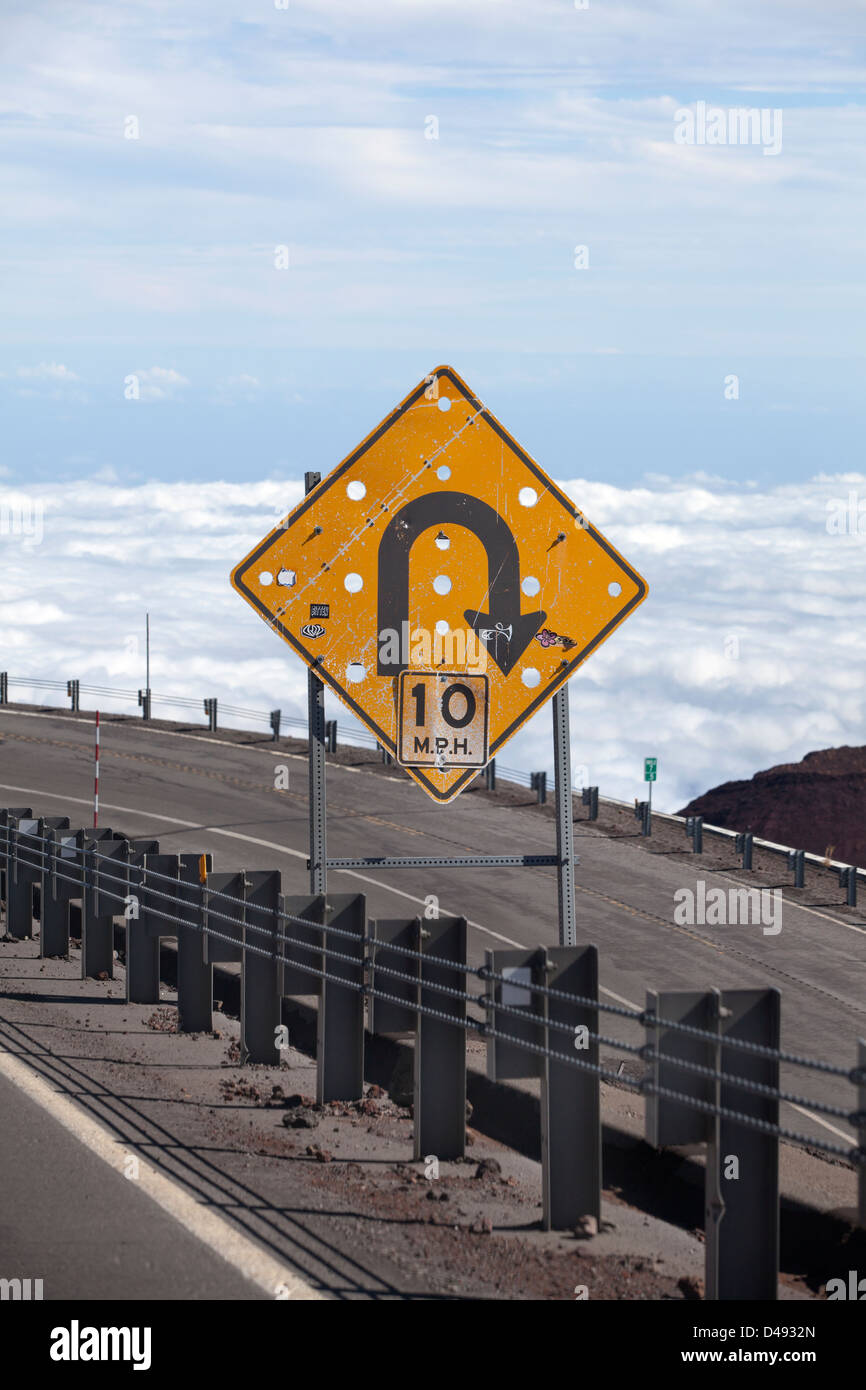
849	1138
143	727
238	1250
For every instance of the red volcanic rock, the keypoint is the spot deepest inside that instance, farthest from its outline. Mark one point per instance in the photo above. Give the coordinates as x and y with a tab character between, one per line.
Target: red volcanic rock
818	804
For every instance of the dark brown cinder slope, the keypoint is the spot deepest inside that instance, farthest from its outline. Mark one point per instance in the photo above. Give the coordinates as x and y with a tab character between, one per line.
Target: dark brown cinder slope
818	804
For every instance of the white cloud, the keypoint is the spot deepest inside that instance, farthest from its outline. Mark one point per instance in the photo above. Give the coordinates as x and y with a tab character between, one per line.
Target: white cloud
52	380
159	383
240	388
47	371
748	651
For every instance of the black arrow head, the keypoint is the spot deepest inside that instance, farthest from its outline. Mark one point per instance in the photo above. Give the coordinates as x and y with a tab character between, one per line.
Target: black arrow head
505	635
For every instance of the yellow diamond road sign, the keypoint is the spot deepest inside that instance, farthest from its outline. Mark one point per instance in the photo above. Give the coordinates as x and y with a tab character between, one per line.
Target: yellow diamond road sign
440	583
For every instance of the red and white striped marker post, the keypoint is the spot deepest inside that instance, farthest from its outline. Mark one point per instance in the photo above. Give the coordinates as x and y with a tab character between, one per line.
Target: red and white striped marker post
96	778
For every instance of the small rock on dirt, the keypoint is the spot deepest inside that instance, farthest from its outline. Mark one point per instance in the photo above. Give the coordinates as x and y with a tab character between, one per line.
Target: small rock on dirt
322	1155
300	1119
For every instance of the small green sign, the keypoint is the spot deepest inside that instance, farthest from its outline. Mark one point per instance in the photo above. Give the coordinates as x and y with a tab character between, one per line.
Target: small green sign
649	769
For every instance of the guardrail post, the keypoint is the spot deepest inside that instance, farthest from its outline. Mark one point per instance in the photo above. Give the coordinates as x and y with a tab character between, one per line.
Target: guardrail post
261	978
331	735
240	911
144	703
797	864
26	870
695	832
7	819
748	1266
440	1047
848	880
386	942
58	868
97	924
743	845
29	850
145	925
275	723
340	1024
642	813
490	775
861	1106
194	974
72	690
340	1020
117	894
668	1122
589	797
742	1164
570	1095
538	784
53	915
4	687
302	944
210	709
19	895
97	944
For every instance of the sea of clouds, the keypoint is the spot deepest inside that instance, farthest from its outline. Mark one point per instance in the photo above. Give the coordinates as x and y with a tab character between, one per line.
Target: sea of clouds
749	650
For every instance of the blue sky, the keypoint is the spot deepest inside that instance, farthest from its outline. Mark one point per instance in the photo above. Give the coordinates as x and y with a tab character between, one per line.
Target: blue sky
305	127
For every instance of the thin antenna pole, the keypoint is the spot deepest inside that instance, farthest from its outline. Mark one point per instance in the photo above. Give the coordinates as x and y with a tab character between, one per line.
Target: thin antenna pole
147	645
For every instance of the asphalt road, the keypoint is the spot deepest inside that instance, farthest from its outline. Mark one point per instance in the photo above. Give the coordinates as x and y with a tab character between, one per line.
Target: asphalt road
111	1242
193	793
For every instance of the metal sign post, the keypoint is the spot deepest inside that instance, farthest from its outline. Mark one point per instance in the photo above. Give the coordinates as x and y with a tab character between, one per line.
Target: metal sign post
316	729
650	770
564	820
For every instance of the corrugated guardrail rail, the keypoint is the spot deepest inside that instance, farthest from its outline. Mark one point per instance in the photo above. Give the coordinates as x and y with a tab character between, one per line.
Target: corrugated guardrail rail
214	708
713	1056
353	734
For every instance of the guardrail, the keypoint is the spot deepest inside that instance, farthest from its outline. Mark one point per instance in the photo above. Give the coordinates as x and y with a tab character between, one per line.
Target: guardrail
695	826
713	1057
744	843
214	708
146	699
